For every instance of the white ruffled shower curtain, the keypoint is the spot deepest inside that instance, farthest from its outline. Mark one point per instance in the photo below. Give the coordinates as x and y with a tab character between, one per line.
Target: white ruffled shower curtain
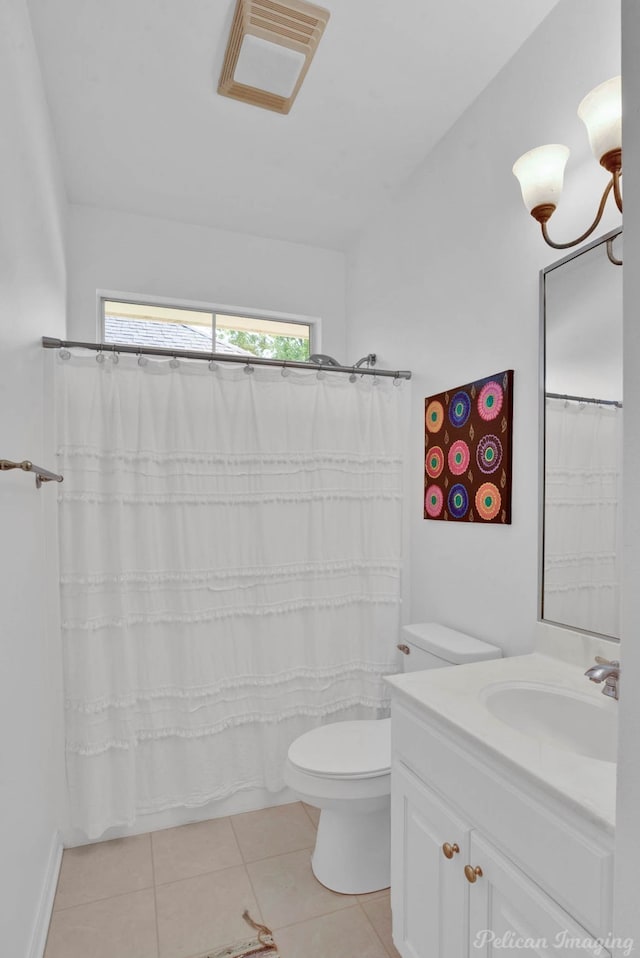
582	546
230	572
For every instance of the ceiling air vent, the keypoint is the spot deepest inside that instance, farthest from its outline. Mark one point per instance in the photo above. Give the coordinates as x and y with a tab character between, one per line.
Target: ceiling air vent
270	48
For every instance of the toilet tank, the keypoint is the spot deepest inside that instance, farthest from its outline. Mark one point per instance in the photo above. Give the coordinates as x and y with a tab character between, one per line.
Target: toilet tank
430	645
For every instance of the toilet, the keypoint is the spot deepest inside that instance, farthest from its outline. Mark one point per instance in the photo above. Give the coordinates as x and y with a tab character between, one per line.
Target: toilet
344	769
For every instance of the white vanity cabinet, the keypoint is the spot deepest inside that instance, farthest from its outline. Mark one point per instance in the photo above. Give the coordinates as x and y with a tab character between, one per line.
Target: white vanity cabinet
506	904
533	872
428	897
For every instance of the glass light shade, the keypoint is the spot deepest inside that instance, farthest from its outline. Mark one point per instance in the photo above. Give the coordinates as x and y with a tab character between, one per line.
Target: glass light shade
601	113
541	174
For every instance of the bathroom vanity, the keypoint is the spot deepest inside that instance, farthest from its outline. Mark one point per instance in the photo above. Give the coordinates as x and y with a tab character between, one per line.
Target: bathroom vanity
503	810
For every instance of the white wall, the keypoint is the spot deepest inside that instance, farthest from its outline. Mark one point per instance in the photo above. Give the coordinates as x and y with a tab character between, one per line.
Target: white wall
144	255
32	301
627	914
446	282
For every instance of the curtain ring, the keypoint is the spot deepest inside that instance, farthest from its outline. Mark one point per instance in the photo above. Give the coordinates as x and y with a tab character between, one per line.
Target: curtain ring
212	366
284	371
142	360
64	353
100	356
352	377
248	369
174	362
115	357
396	379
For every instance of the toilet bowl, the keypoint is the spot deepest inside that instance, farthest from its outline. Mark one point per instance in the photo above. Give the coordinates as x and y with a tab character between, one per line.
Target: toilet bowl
344	769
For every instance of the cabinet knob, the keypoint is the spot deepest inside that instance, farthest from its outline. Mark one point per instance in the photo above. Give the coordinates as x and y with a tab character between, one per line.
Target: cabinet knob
404	649
450	850
472	874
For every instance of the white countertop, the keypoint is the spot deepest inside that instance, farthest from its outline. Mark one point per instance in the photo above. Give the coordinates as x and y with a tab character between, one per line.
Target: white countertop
455	695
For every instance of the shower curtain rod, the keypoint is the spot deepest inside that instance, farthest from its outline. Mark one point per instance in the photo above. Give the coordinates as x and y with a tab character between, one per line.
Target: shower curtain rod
597	402
42	475
49	342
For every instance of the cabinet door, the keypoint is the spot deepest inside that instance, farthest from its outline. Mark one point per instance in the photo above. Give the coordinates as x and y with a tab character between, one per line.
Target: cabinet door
508	911
429	894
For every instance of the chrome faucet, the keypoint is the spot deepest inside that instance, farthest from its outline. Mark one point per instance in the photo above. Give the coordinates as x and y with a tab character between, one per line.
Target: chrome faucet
607	672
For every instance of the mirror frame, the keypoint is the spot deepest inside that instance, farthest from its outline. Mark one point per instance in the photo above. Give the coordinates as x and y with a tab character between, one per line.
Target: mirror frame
542	357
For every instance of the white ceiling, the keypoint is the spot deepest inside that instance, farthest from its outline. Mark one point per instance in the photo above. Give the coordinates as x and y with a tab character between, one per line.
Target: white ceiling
132	89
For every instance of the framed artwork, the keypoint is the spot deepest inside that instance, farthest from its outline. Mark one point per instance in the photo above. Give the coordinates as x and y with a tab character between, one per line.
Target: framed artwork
467	442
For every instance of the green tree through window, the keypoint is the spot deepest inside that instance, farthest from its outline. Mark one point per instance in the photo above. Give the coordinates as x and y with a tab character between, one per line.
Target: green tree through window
271	347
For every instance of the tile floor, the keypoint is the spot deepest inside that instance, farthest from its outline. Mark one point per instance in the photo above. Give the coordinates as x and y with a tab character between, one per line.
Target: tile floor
180	892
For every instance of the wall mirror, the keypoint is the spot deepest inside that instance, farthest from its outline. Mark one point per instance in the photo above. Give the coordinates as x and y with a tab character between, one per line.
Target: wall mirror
581	316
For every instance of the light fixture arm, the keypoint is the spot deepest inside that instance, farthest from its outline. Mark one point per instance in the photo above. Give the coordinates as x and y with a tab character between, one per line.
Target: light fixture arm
612	258
543	214
617	174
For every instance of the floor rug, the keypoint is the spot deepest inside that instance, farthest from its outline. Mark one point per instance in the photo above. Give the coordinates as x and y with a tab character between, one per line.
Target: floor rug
262	946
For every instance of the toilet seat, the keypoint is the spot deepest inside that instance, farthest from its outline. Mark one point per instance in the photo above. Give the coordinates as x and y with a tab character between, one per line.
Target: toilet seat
344	750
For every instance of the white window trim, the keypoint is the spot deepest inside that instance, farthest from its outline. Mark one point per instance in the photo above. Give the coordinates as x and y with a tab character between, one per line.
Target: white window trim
313	322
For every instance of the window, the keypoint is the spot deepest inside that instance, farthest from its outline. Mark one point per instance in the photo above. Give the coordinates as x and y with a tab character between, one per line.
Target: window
178	327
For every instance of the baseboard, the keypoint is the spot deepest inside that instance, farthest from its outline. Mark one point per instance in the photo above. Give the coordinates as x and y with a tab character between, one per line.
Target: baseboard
47	894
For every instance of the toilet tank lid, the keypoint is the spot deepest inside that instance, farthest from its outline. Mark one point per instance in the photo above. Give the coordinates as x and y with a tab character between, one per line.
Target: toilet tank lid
448	644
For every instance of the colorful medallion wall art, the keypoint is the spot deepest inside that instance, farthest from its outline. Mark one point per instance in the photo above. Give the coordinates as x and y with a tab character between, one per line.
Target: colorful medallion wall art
467	463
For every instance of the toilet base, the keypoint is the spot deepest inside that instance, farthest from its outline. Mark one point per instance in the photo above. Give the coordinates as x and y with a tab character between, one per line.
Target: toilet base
352	853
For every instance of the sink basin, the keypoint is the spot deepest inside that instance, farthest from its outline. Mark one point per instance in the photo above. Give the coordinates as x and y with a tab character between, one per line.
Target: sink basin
555	716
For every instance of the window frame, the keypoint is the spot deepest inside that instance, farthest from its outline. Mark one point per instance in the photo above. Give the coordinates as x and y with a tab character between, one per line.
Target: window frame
313	323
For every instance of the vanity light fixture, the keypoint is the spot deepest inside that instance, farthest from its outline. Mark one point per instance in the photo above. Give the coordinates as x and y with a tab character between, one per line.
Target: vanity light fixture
541	171
270	49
